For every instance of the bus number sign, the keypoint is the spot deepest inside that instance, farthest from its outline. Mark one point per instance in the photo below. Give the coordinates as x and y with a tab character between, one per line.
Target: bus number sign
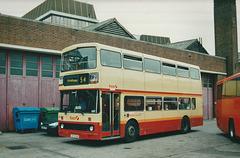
76	79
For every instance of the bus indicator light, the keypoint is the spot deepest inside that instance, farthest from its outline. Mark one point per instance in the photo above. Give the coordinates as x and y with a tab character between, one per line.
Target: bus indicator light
89	119
60	81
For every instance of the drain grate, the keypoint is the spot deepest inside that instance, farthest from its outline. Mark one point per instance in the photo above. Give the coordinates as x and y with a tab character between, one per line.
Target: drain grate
17	147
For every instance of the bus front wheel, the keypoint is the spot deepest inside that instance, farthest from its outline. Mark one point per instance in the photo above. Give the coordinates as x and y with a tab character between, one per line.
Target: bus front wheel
131	132
232	131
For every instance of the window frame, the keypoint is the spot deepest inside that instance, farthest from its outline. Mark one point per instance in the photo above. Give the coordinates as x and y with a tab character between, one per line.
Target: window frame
57	72
154	61
168	65
185	106
129	58
12	68
129	107
32	62
155	105
120	66
179	67
46	70
194	103
2	60
175	100
194	78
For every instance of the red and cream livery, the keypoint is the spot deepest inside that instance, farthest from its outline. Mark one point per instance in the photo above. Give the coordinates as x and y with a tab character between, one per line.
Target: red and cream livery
108	92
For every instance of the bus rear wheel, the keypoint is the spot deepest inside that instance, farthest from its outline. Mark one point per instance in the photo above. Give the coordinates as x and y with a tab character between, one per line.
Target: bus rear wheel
185	125
231	131
131	132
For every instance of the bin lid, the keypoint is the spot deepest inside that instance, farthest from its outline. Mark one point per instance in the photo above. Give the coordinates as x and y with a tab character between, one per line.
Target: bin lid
26	109
50	109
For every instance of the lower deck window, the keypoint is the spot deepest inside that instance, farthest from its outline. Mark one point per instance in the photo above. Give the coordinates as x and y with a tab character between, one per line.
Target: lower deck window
184	103
133	103
170	103
194	103
153	103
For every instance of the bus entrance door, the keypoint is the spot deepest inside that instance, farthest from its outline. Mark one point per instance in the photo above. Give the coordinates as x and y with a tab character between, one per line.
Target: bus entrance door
110	114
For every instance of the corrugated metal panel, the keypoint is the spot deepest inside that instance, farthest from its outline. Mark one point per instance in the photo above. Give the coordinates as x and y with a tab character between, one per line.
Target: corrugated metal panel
65	6
155	39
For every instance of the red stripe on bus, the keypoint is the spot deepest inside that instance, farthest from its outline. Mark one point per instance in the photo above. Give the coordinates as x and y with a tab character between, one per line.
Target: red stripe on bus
136	91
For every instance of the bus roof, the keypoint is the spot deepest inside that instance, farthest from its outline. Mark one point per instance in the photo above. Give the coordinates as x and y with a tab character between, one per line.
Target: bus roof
124	50
228	78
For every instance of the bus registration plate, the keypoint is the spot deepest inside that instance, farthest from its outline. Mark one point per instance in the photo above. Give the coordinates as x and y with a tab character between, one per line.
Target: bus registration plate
74	136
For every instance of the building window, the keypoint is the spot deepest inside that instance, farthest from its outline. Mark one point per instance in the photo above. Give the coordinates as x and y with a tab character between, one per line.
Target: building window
204	81
16	64
47	67
210	82
2	63
31	65
58	60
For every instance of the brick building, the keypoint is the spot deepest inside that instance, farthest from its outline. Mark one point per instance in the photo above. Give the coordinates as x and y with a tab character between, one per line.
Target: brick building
30	65
226	42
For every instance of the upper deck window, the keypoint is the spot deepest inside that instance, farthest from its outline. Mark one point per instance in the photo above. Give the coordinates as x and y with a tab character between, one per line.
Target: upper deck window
183	71
110	58
79	59
194	73
169	69
132	62
153	66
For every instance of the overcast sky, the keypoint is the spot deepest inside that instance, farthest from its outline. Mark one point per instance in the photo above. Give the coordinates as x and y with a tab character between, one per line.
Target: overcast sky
178	19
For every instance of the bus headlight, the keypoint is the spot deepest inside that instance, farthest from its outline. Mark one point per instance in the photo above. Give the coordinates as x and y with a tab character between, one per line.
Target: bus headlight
91	128
62	126
93	78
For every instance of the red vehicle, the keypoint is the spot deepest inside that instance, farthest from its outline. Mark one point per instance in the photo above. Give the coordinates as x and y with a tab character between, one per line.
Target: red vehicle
228	106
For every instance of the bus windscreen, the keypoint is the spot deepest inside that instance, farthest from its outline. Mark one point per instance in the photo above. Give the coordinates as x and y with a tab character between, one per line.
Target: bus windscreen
80	101
79	59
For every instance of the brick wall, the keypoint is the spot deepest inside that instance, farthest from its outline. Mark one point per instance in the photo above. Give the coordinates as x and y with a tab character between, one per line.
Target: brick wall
226	43
18	31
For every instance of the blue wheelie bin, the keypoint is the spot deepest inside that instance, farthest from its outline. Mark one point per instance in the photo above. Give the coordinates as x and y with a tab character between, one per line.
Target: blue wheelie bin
26	118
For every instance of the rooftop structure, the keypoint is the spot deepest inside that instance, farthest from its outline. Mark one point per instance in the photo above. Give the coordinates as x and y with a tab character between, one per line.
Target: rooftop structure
68	13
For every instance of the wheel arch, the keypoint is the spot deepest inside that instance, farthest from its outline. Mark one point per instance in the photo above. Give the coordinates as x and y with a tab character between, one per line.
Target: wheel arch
136	122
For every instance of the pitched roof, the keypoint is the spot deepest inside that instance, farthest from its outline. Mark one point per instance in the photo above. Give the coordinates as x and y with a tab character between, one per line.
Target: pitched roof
65	6
193	45
155	39
110	26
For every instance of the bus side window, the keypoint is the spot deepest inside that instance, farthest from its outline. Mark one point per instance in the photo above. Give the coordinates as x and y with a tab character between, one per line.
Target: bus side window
133	103
194	103
184	103
153	103
170	103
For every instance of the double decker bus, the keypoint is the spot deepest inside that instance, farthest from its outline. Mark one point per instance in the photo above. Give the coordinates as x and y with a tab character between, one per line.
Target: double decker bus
228	106
109	92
